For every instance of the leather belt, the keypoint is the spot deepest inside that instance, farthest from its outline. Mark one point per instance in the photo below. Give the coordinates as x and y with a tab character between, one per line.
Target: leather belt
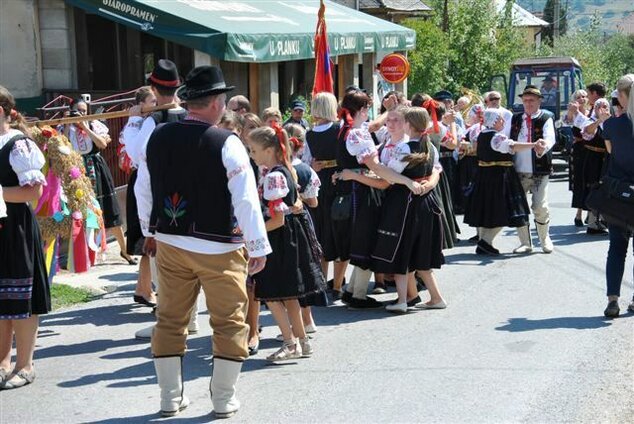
595	149
506	163
446	154
325	164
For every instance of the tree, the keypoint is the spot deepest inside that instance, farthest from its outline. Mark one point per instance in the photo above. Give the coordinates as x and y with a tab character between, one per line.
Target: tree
475	46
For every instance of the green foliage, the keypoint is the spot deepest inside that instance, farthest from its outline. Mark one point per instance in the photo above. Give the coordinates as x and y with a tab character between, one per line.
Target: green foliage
603	58
479	43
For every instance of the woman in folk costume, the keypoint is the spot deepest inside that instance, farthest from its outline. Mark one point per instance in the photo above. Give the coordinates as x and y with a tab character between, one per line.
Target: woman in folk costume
320	153
444	138
497	199
292	270
593	165
410	229
357	154
308	186
143	293
24	285
576	117
88	139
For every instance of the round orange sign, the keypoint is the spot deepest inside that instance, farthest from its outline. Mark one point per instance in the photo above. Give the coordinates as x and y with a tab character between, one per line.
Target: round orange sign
394	68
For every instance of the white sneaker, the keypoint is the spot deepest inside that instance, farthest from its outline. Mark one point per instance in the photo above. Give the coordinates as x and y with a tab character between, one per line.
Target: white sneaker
397	308
523	249
310	328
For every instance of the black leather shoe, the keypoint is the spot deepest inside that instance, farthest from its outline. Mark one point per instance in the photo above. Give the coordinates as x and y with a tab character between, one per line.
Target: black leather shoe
346	297
367	303
410	303
485	248
578	222
143	301
612	311
596	231
474	239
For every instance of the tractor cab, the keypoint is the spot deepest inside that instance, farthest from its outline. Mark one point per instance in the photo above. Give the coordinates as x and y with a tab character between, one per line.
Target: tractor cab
556	77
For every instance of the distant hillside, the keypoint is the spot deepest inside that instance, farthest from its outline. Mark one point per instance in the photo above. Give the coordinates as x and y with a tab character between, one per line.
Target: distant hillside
613	13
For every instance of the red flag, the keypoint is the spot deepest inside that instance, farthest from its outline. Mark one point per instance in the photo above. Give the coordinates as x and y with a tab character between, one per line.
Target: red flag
323	71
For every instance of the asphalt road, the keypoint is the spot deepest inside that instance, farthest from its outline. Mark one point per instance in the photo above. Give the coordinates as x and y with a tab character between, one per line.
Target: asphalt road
523	340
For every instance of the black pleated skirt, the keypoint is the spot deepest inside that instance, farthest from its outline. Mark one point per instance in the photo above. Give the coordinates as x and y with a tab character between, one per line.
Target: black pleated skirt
293	269
410	236
497	199
24	284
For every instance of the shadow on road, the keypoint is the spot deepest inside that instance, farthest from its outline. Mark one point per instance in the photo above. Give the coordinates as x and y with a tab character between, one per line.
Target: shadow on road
516	325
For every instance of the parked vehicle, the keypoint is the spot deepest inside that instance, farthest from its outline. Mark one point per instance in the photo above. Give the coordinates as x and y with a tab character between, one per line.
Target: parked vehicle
557	78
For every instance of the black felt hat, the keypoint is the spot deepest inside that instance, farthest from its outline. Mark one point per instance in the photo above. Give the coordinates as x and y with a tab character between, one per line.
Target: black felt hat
165	75
203	81
443	95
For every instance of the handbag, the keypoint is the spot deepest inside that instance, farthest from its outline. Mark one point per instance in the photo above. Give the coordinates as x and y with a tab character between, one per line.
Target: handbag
613	199
341	208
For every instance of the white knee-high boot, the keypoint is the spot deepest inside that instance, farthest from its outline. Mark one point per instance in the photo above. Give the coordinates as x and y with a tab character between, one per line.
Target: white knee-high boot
169	373
526	244
544	238
223	387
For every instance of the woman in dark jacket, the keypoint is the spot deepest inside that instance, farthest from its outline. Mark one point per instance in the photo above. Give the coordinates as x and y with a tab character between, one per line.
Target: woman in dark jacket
619	139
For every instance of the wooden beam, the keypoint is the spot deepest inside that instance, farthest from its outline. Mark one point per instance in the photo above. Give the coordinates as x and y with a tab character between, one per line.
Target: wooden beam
254	98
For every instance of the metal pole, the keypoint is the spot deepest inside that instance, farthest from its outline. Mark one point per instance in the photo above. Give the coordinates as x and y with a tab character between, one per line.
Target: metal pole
556	20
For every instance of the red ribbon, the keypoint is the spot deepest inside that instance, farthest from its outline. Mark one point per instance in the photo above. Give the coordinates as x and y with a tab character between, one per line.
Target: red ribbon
431	105
280	138
296	142
273	204
166	83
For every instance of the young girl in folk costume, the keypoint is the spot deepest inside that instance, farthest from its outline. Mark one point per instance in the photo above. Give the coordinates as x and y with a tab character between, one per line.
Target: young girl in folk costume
88	139
320	152
292	270
444	138
358	202
410	230
143	293
497	199
308	188
593	165
24	286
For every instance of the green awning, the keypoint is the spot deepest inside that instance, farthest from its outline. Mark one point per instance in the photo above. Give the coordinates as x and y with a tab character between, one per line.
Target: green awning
254	30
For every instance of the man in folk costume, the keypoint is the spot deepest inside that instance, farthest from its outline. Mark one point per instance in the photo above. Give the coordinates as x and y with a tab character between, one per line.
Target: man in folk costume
164	81
534	166
205	211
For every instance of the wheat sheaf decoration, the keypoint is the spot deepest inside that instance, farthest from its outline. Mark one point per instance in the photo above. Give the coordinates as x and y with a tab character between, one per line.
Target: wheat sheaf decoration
174	208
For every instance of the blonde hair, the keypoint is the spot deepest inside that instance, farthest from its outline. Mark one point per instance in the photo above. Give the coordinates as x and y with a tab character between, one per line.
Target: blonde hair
142	94
418	118
324	106
267	137
625	85
579	93
271	112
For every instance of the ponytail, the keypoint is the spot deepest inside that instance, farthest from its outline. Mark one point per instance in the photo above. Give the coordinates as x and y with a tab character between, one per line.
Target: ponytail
285	148
18	122
348	122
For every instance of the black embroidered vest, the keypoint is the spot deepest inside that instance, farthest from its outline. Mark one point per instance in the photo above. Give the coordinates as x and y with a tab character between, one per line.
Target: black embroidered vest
189	182
543	165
